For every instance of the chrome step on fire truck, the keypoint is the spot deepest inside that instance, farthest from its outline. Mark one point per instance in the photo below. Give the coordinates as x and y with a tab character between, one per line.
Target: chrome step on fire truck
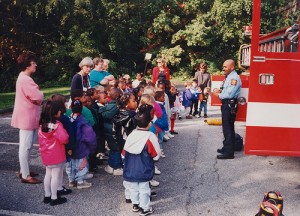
270	92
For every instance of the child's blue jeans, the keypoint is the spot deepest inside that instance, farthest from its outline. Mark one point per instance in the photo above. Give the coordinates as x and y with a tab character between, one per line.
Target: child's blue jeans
203	104
77	169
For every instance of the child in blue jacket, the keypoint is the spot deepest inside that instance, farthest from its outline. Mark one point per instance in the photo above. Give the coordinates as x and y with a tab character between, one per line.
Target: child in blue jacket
140	149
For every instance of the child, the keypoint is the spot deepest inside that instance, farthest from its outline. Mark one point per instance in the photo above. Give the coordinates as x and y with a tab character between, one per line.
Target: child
128	86
137	81
85	143
92	93
195	90
203	103
175	108
62	190
108	112
186	99
140	149
163	87
77	94
101	139
52	138
148	99
122	125
161	123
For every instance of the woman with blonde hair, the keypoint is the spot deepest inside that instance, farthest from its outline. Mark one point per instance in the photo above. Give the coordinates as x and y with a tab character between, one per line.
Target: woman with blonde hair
161	71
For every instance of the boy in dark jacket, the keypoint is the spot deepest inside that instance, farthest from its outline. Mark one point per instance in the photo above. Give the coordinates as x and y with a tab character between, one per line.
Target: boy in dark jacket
85	143
141	148
108	112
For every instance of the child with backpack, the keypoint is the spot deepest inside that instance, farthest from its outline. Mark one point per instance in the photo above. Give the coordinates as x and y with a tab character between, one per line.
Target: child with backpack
140	149
52	138
85	143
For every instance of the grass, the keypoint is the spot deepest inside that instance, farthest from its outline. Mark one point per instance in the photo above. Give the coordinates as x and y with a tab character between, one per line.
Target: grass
7	99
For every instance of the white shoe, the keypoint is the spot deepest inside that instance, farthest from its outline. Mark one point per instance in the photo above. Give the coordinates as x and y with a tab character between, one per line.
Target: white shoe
154	183
162	154
88	176
109	169
166	137
156	171
118	172
170	135
83	185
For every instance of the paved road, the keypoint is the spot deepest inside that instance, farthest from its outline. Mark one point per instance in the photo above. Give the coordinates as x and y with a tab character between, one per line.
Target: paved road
193	181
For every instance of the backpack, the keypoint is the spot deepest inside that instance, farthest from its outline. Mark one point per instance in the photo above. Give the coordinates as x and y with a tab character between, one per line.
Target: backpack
238	144
272	204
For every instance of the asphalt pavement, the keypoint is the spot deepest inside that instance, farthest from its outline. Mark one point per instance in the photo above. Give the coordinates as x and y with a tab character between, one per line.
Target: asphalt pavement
192	182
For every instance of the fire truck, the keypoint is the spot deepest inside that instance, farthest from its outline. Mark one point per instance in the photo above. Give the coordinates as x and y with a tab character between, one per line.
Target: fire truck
270	94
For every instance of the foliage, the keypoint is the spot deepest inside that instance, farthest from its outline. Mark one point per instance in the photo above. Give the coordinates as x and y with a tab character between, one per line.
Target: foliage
186	33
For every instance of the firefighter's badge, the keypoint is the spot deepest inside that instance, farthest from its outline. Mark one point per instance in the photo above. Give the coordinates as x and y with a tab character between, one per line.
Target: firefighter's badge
233	82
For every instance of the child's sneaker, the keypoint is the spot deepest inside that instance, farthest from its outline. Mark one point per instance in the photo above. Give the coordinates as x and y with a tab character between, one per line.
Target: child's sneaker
136	208
154	183
88	176
72	184
170	135
109	169
166	137
83	185
146	212
102	156
58	201
162	154
118	172
156	171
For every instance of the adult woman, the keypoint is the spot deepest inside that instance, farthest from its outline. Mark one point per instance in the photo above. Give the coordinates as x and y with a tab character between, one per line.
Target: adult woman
26	113
99	75
81	80
160	72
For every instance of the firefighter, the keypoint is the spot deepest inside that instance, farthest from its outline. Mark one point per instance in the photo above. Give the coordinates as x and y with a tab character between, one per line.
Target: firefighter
228	94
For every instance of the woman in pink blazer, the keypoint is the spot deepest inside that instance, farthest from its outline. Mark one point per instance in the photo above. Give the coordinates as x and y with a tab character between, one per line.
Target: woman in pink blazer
26	113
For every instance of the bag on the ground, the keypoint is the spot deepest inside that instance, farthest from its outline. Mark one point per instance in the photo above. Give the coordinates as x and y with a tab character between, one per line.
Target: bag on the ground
238	145
272	204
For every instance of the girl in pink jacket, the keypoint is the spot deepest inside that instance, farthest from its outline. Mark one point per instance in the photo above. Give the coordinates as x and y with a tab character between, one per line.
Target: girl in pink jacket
52	138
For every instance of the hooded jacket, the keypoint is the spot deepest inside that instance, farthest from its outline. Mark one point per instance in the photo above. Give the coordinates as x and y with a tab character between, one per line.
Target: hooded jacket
85	138
140	149
51	145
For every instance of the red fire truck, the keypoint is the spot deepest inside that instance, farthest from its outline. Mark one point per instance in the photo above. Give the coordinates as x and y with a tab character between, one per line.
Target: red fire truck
271	95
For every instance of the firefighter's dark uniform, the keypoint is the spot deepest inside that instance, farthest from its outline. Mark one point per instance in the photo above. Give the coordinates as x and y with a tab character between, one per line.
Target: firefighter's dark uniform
229	94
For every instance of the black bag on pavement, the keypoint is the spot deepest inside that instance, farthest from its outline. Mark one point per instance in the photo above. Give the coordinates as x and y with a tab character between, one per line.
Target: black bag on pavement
238	146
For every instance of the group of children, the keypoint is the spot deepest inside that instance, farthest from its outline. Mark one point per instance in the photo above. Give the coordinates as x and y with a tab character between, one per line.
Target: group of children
125	125
194	99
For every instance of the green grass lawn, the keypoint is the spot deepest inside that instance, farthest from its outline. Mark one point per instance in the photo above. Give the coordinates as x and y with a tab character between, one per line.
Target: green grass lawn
7	99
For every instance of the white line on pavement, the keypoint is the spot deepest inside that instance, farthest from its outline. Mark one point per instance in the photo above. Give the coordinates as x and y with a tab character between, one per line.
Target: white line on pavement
15	213
11	143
